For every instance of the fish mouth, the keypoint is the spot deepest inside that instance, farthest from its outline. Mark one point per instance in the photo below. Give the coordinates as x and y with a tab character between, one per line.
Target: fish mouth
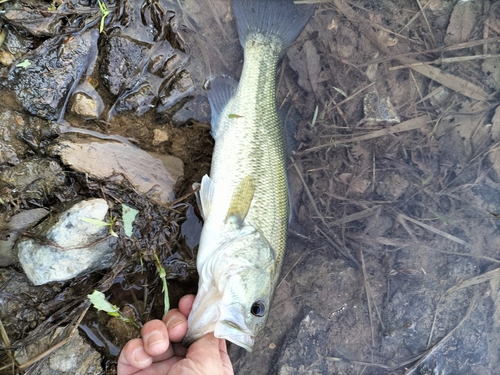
235	333
209	314
203	316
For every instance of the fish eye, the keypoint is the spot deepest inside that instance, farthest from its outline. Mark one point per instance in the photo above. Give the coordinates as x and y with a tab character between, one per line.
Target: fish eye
258	309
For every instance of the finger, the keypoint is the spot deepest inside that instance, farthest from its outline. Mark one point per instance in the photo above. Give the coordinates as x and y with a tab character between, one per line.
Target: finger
226	362
133	357
155	337
186	304
204	354
176	324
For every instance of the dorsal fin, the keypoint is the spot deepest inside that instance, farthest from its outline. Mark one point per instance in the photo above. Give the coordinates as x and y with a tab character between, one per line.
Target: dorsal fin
241	200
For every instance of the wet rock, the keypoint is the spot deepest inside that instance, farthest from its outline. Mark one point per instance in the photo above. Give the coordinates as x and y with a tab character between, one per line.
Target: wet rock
70	246
145	67
42	87
15	128
305	350
33	21
9	234
392	186
16	44
181	88
34	178
20	302
75	357
103	160
160	65
8	154
120	58
150	22
196	109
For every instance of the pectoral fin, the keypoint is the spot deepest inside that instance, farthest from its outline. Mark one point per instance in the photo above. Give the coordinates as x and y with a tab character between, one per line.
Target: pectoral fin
241	200
220	91
204	195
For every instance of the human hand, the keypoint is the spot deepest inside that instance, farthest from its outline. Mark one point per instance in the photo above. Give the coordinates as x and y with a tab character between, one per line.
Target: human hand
160	352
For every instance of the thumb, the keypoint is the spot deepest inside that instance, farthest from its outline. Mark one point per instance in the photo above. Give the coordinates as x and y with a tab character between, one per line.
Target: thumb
209	353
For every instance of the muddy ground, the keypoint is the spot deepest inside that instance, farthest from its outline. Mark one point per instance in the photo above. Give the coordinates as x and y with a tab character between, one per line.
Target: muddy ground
393	258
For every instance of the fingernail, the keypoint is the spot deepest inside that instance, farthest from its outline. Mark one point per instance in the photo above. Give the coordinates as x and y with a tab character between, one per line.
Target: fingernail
155	338
141	356
174	321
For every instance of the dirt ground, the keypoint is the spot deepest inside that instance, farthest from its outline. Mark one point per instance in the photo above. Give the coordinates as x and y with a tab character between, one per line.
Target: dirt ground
393	258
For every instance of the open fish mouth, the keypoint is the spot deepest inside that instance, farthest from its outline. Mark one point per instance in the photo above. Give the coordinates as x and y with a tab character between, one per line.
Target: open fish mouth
236	334
227	322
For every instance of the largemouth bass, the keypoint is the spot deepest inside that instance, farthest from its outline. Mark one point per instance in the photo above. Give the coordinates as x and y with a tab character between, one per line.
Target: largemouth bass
245	202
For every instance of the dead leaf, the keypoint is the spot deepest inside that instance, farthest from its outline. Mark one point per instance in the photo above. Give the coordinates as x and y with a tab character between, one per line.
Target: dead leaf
313	66
463	19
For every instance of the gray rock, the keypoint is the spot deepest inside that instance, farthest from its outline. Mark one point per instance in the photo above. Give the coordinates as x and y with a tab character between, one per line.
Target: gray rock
304	350
75	357
9	234
70	246
102	160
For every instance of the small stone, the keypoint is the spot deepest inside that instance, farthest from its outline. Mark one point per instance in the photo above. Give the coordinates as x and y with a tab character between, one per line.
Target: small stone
359	185
10	231
159	136
392	186
6	58
85	106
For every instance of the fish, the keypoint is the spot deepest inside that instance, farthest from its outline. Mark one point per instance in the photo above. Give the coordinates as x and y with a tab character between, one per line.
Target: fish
245	201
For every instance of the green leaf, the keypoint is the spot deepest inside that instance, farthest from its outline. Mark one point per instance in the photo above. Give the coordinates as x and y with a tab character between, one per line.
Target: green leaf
98	299
315	116
128	214
1	201
104	11
340	91
99	223
23	64
233	115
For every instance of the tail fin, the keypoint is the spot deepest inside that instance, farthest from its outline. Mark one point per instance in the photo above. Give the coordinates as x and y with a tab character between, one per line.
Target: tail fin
281	18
